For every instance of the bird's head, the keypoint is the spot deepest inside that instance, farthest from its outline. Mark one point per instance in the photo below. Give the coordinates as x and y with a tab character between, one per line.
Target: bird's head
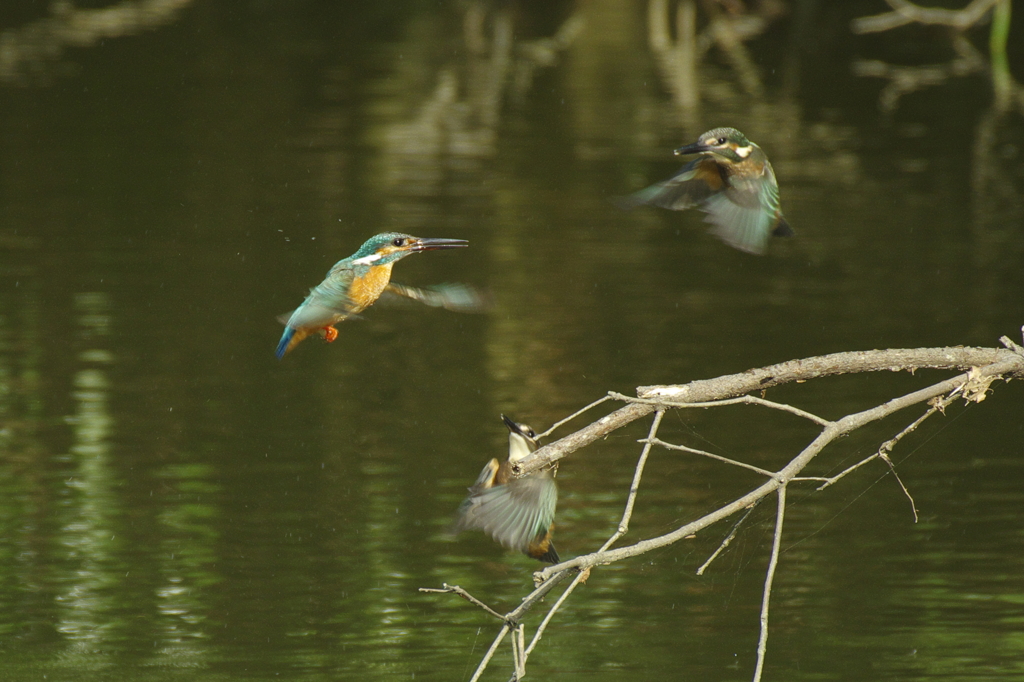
389	247
522	440
727	143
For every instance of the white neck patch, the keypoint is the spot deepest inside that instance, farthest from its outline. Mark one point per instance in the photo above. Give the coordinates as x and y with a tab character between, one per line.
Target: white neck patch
744	152
366	260
518	447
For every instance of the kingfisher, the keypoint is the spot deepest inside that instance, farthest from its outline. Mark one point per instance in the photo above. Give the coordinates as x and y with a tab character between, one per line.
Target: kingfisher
732	181
355	283
519	513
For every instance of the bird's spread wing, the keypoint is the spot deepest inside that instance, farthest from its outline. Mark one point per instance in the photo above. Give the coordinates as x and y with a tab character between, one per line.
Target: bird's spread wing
694	183
460	298
513	514
327	303
486	478
744	213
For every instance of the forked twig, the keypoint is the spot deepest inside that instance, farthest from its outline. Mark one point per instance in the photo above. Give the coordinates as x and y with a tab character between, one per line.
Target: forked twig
455	589
728	538
940	404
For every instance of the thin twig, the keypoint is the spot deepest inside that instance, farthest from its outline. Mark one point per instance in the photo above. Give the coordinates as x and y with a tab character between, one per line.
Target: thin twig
892	467
848	470
518	652
1009	343
888	445
581	577
455	589
490	653
573	416
742	400
634	487
728	538
762	642
702	453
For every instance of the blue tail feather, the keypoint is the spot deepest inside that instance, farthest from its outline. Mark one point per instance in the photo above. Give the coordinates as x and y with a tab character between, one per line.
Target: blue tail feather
282	346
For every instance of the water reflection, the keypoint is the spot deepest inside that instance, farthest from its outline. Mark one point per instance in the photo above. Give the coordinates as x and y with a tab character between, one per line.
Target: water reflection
281	516
33	52
91	508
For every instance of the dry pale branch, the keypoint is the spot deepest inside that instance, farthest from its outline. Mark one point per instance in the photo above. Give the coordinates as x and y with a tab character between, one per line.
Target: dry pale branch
983	365
703	453
766	596
905	12
757	380
455	589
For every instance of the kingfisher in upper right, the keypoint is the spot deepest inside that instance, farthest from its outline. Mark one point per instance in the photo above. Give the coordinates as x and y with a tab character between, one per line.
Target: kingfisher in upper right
732	181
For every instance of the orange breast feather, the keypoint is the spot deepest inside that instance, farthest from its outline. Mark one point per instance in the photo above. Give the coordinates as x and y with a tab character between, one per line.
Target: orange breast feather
366	289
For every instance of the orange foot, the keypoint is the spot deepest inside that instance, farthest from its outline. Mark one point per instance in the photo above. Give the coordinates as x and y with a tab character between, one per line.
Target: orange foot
330	333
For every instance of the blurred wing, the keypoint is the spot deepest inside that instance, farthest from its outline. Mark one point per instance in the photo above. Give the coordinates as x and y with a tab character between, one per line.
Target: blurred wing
738	226
743	215
515	513
694	183
460	298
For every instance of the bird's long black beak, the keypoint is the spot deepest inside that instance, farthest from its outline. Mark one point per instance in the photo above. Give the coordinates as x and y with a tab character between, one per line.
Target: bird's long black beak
695	148
513	427
431	244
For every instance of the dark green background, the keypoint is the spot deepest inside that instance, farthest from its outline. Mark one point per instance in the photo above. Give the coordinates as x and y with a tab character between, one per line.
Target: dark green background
177	504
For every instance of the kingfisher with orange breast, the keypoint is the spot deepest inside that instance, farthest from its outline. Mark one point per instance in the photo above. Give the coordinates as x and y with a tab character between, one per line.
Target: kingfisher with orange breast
732	181
355	283
519	513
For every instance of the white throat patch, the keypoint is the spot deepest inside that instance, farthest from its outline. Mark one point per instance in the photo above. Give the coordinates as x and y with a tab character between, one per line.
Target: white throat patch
366	260
519	447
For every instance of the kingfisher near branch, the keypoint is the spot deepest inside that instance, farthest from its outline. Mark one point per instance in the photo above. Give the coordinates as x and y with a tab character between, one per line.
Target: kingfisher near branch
732	181
519	513
355	283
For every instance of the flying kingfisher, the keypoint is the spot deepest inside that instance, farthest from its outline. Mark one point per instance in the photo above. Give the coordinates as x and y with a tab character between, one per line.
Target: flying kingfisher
355	283
732	181
519	513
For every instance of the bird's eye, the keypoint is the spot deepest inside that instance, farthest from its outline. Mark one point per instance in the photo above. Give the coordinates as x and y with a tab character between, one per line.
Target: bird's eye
531	433
399	242
721	140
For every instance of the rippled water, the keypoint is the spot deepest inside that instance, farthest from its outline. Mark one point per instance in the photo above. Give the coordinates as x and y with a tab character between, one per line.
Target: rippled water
177	503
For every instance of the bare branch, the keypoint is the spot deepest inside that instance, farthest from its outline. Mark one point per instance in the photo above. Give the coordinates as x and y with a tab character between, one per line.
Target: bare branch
490	652
742	400
728	538
634	488
734	385
983	365
573	416
906	12
762	642
455	589
702	453
581	577
892	467
1011	365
